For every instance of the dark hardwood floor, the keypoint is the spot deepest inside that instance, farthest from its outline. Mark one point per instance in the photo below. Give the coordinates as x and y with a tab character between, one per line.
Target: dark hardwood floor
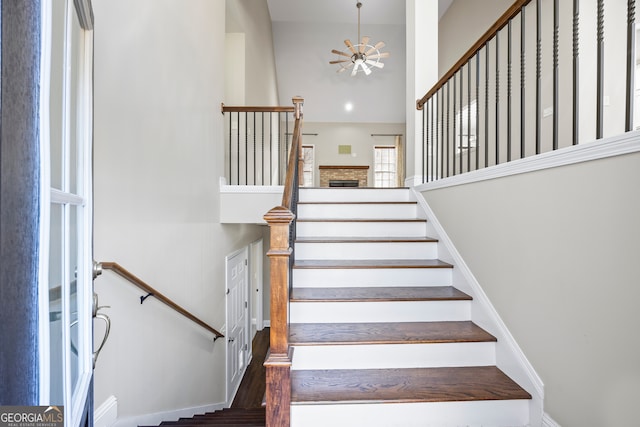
252	388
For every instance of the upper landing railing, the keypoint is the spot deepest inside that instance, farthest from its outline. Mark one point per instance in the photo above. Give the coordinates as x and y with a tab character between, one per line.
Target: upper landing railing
258	140
547	75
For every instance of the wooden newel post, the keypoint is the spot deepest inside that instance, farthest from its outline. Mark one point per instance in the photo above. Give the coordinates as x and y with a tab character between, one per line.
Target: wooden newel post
278	362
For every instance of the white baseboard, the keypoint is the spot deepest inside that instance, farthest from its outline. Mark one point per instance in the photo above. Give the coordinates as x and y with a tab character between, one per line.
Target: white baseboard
547	421
158	417
267	323
107	413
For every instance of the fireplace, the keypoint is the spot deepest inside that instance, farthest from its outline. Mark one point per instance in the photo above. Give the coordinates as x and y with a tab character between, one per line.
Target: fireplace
344	176
343	183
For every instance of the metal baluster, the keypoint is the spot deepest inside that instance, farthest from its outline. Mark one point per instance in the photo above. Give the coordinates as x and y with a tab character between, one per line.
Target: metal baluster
486	106
270	148
246	148
509	61
279	143
477	111
631	49
254	148
469	115
522	82
600	74
425	148
262	136
461	114
556	76
433	102
448	126
455	119
437	154
576	71
238	148
538	73
230	148
441	131
497	98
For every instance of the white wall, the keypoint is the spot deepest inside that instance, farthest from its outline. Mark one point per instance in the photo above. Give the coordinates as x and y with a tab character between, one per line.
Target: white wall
159	81
462	25
556	253
303	52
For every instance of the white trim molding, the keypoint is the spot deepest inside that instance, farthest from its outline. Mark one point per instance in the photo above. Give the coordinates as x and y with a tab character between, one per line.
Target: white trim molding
547	421
158	417
618	145
106	414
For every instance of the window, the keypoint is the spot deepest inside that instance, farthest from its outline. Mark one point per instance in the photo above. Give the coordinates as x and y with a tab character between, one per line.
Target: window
385	166
307	168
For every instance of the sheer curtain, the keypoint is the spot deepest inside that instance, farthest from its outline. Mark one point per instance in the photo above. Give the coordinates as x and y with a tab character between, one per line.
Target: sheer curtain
399	160
19	200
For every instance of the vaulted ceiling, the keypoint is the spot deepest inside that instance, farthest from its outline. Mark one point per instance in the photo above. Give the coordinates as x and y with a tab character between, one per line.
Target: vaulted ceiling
305	32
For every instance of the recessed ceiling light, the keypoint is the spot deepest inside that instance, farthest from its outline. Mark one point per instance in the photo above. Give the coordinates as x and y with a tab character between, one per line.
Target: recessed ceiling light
348	106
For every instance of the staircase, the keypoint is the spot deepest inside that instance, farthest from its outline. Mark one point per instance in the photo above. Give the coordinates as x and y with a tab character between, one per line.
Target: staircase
380	335
231	417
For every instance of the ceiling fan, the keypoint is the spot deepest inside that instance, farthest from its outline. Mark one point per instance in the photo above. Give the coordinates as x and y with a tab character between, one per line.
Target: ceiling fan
361	56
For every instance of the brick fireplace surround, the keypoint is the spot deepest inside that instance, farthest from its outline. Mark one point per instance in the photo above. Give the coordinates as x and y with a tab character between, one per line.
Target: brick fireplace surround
346	173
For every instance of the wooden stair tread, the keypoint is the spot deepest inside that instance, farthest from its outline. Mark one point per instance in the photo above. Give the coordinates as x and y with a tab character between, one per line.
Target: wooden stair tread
387	333
423	293
373	263
361	220
403	385
372	202
228	417
378	239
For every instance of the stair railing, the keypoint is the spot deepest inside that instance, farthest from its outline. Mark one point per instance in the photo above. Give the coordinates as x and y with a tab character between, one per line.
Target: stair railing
281	220
151	292
257	144
493	107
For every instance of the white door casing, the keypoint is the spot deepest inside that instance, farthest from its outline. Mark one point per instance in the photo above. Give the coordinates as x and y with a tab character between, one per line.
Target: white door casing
256	267
237	314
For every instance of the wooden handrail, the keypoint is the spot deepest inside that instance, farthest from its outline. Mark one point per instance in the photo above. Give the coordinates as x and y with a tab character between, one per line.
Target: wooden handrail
121	271
510	13
255	109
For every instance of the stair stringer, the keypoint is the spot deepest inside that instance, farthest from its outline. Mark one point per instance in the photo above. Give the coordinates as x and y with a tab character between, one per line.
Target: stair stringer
509	356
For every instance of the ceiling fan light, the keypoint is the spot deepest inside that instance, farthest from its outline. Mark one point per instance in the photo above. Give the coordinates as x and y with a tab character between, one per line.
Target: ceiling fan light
361	53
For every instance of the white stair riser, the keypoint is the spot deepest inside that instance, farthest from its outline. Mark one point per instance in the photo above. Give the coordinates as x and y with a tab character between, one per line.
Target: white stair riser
360	229
363	250
354	195
354	210
384	277
381	356
512	413
386	311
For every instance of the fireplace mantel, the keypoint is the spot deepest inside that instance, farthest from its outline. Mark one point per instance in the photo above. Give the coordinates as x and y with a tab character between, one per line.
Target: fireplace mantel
345	173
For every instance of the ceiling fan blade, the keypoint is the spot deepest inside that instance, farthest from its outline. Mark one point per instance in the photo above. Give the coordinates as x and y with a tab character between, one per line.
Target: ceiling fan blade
350	46
378	46
375	64
378	55
337	52
345	67
355	71
363	44
339	61
365	68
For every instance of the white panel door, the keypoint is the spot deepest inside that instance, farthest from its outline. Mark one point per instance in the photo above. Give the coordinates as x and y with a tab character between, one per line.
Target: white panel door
237	273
